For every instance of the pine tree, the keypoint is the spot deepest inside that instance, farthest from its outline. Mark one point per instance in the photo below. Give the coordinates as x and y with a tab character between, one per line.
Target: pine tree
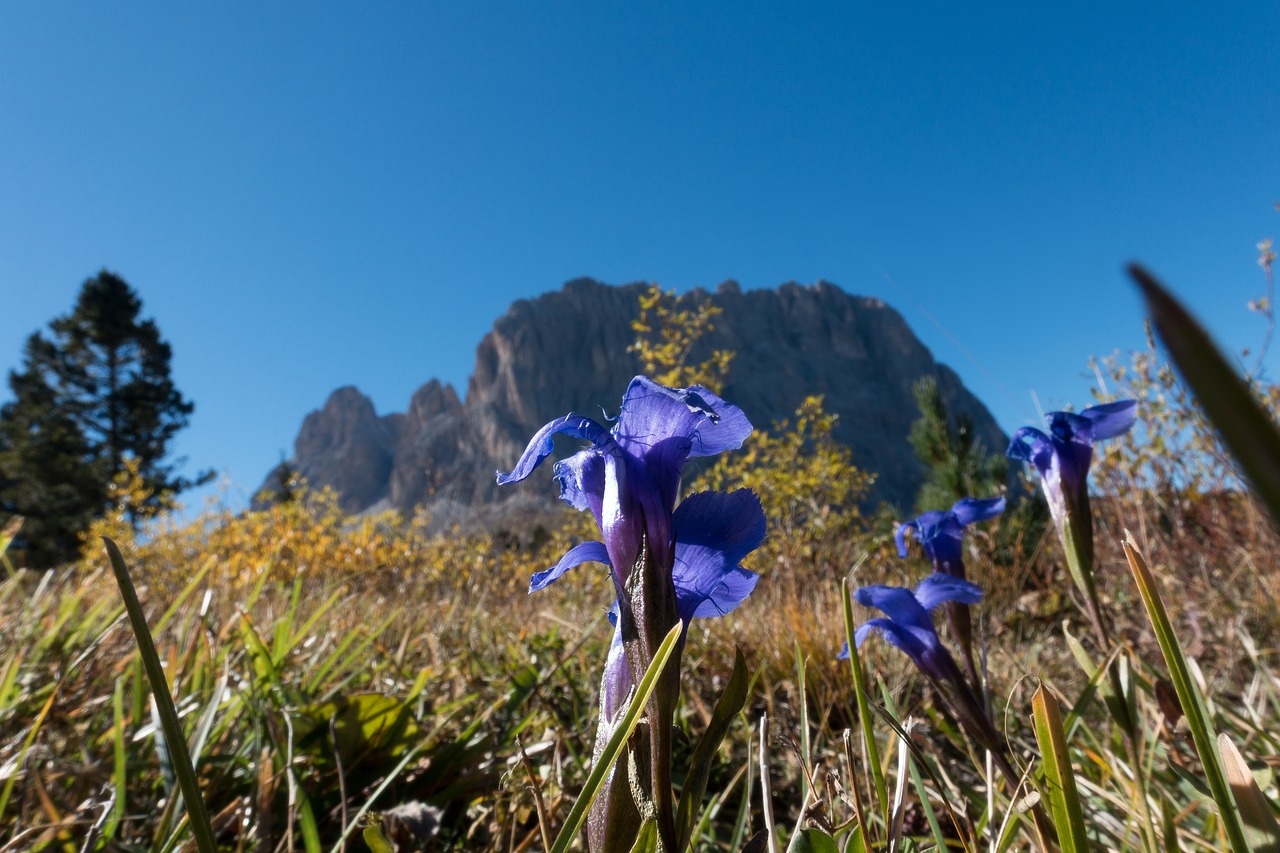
92	394
958	463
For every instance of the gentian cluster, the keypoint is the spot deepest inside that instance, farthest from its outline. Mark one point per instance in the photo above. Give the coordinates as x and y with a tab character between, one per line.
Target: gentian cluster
907	623
1062	458
941	534
669	563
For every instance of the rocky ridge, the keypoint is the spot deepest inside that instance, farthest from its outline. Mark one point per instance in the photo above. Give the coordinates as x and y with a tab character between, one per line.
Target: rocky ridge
567	350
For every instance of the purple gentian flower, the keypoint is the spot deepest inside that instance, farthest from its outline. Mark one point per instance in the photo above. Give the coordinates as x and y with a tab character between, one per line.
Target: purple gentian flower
909	623
1063	456
940	532
630	475
713	531
668	564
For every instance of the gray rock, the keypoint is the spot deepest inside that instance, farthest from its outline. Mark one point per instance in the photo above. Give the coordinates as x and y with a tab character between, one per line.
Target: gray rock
567	351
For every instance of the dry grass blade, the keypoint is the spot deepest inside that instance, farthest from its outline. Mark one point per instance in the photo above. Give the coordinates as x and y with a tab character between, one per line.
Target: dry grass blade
1259	818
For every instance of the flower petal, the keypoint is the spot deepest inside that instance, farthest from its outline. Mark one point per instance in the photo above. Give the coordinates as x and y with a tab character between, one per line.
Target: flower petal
969	510
1031	445
713	531
1111	419
900	536
726	595
541	445
582	479
899	637
939	587
583	552
898	603
652	414
616	682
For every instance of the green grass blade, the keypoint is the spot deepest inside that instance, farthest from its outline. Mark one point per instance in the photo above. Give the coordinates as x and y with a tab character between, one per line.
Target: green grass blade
695	783
169	721
1193	703
120	773
865	717
613	748
185	594
646	838
1060	779
1246	427
26	745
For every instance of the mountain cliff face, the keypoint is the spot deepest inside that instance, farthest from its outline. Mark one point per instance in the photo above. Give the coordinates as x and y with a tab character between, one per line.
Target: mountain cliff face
567	351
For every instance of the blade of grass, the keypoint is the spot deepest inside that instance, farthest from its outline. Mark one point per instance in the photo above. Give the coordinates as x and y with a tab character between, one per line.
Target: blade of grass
1193	703
172	726
695	784
1259	820
26	745
1246	427
1060	779
864	707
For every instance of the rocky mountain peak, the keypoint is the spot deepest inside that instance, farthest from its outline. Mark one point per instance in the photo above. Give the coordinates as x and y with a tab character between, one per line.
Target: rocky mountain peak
568	351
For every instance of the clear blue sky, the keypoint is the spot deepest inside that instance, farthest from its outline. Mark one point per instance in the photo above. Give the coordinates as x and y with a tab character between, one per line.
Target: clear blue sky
320	194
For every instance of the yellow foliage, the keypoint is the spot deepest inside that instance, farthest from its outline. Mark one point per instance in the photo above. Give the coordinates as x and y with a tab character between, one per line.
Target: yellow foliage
806	480
666	331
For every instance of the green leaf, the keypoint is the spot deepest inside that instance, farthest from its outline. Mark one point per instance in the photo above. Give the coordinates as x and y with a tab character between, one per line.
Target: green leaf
813	841
169	722
363	722
1059	778
695	783
1246	426
613	748
647	838
377	842
1193	703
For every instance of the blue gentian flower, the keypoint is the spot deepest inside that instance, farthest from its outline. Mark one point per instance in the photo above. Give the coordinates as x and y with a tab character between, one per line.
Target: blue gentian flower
1062	457
909	622
630	475
668	563
941	532
713	531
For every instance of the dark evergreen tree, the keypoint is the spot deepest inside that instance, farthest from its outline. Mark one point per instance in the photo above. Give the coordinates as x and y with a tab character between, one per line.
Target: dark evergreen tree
958	463
92	394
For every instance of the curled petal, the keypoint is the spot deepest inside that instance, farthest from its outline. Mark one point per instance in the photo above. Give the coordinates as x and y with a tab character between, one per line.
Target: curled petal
582	480
898	604
1031	445
584	552
652	414
970	510
542	443
939	587
1111	419
713	531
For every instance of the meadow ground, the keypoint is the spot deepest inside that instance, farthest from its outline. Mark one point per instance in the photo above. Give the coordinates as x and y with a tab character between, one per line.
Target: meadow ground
323	666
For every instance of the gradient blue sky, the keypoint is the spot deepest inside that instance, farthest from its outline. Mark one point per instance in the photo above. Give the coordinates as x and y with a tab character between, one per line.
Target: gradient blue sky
313	195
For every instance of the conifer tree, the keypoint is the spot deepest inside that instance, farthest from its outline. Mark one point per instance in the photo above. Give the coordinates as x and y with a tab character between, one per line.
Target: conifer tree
958	464
93	392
